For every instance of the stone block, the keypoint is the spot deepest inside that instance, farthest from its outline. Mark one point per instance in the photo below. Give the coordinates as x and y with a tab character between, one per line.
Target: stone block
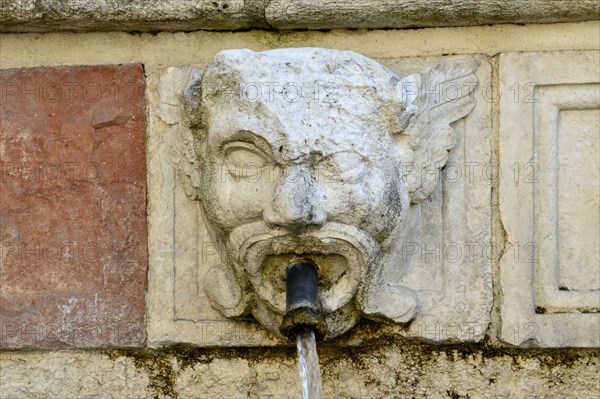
549	129
73	229
192	15
451	271
380	371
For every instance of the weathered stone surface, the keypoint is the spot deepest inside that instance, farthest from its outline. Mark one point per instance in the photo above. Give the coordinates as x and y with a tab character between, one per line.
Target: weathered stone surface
330	167
549	124
73	253
390	371
315	14
125	15
180	249
74	374
151	15
450	270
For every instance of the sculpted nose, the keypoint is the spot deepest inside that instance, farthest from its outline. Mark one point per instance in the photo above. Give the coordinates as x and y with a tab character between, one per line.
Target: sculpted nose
297	202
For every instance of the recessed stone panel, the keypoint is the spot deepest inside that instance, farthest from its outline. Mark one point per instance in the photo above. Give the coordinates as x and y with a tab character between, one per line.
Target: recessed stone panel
551	291
578	167
72	207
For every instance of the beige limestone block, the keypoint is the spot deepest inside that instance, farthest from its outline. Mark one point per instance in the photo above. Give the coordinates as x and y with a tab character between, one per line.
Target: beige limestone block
177	15
549	132
379	371
451	271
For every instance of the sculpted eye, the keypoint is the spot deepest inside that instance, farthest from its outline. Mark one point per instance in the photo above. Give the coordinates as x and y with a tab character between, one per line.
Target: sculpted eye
343	166
245	161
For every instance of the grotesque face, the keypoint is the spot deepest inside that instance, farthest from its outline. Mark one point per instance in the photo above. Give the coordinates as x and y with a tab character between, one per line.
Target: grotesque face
299	161
275	164
300	168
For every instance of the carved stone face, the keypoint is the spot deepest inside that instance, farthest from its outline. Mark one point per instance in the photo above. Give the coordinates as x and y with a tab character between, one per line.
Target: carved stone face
301	173
301	187
300	161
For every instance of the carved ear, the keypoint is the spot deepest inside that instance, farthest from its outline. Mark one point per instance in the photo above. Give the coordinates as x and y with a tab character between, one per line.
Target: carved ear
432	99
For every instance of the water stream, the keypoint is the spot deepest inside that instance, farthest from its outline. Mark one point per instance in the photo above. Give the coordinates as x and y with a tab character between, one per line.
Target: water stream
309	364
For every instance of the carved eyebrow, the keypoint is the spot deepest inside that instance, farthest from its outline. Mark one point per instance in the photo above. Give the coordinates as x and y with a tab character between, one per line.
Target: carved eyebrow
246	136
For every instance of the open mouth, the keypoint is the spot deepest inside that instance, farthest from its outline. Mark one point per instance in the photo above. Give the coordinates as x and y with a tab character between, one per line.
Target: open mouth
340	267
344	256
331	268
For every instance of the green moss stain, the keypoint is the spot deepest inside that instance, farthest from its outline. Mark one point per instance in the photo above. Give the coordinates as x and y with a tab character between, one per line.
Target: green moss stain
163	365
159	364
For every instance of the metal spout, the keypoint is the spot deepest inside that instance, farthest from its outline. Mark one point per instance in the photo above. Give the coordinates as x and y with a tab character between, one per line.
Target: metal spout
302	303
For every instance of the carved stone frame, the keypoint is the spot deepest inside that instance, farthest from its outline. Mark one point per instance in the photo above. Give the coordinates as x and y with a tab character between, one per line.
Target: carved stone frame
535	310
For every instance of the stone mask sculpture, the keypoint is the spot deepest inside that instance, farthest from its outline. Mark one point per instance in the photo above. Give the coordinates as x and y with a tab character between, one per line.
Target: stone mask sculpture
320	154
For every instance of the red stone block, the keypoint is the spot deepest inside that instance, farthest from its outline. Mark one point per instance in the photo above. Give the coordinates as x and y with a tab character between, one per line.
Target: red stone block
73	254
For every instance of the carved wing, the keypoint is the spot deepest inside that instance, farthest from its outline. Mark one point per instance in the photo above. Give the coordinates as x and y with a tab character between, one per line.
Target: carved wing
433	99
182	150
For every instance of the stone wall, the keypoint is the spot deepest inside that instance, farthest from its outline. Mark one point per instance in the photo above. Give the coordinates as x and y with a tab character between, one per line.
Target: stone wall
189	15
74	324
385	370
